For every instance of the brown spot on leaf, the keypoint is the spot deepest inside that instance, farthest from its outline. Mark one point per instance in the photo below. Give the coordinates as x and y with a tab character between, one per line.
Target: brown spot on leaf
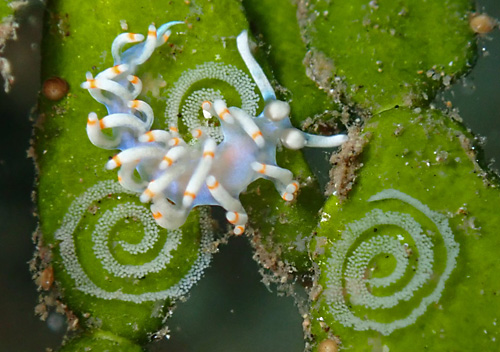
482	23
328	345
46	278
55	88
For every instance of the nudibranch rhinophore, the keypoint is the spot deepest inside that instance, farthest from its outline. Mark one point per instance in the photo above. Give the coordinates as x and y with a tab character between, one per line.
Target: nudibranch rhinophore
174	175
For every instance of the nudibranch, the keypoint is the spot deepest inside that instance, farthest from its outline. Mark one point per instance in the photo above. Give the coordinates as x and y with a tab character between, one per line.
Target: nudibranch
176	176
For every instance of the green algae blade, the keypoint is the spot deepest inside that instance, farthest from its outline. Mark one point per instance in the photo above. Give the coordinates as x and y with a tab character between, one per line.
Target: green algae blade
114	268
388	53
404	263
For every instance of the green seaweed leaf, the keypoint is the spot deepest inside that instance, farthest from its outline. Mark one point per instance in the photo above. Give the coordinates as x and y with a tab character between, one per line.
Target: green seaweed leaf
422	219
380	54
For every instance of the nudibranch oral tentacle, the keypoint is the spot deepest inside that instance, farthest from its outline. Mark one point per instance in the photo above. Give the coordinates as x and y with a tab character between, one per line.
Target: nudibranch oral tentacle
176	176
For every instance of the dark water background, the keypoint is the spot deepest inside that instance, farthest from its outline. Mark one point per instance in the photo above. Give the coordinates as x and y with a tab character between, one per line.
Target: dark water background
230	309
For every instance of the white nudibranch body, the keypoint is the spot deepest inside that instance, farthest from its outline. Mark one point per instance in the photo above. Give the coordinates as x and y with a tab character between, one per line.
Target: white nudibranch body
176	176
